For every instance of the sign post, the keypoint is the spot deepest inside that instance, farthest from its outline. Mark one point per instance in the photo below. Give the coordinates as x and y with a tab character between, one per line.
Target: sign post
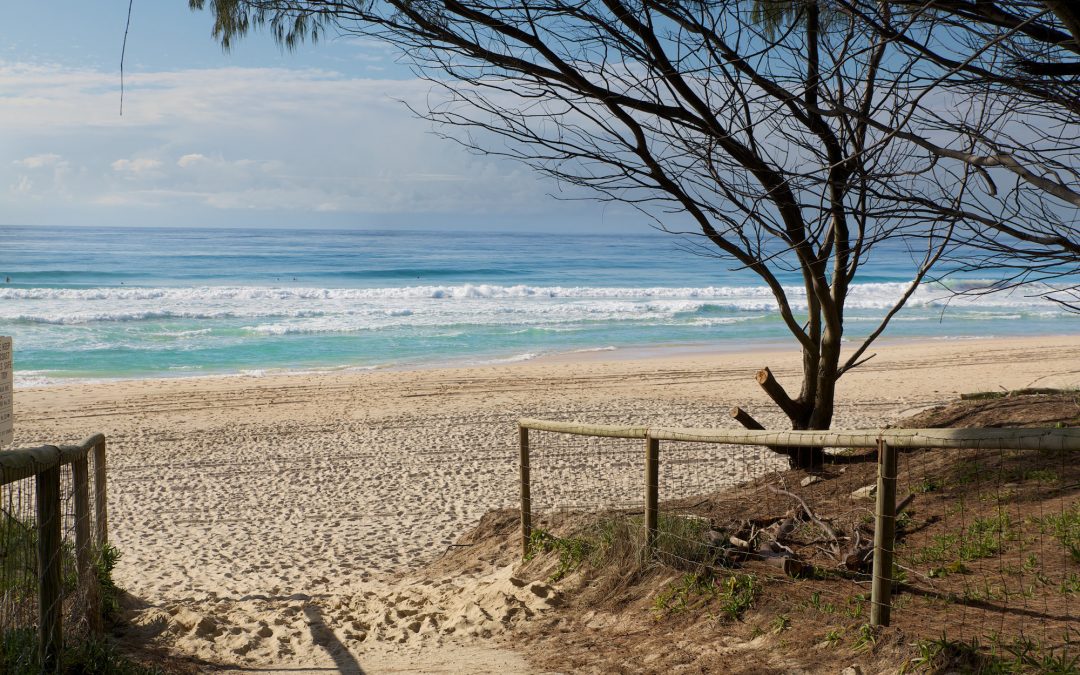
7	382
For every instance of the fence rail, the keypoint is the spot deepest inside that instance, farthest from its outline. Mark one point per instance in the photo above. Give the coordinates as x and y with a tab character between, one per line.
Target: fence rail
886	441
1011	439
50	507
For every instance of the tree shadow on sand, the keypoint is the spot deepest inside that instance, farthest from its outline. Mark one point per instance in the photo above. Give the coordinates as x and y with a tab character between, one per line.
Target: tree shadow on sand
325	637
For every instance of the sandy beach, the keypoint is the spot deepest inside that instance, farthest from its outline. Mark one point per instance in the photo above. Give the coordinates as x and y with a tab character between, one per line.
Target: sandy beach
267	521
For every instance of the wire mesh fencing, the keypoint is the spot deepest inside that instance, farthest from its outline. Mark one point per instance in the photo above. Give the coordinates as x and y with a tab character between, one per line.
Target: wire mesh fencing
52	535
984	542
988	544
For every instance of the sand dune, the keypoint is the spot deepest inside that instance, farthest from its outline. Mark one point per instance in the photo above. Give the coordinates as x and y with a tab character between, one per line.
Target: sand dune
273	522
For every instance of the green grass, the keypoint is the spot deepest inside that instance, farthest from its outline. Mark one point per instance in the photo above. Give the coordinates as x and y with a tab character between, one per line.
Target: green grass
984	538
1065	527
1021	656
730	594
572	551
833	637
680	543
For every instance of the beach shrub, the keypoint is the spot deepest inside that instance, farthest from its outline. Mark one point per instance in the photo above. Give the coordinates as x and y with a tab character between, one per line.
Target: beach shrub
19	656
104	563
572	551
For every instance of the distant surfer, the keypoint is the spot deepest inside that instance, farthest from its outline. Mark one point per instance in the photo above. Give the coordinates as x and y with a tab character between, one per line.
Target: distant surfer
7	280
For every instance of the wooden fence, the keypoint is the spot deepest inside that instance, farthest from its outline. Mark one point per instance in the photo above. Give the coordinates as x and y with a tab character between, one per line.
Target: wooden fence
886	441
89	522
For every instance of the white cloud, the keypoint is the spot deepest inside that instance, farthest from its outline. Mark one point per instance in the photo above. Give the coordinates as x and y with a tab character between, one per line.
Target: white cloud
42	161
137	166
251	139
190	160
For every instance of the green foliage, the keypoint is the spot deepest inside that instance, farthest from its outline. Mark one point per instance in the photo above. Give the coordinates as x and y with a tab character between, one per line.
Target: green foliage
1065	527
572	551
955	567
781	623
833	637
815	602
866	637
104	563
19	656
681	541
985	537
928	484
993	658
733	594
18	564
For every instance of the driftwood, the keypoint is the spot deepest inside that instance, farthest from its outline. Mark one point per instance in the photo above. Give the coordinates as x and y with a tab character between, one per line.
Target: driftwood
745	541
830	532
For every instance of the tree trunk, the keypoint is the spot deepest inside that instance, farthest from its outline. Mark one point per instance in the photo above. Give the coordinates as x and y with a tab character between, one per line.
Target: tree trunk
813	409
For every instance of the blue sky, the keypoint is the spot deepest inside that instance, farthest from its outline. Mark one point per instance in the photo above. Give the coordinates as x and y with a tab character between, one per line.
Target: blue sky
256	137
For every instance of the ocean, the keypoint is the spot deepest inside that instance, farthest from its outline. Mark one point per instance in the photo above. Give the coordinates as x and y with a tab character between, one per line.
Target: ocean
103	303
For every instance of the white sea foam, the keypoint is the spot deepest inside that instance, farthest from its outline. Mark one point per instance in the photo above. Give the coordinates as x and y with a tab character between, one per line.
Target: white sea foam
274	311
868	295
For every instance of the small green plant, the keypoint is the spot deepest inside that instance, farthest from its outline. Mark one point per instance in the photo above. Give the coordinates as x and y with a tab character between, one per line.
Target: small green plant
1031	563
833	637
857	606
955	567
899	574
927	658
1042	475
928	484
735	594
690	591
1071	584
781	623
866	637
1065	527
986	537
572	551
817	603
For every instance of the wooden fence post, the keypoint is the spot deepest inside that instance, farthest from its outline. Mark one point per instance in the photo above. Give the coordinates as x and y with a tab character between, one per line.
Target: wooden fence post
49	561
526	497
652	491
101	497
884	536
80	478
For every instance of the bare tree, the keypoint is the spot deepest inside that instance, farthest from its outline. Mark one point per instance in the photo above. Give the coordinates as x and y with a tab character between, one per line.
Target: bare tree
778	146
1010	74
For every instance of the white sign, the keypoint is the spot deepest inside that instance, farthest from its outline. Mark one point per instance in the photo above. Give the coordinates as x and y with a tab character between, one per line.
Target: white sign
7	381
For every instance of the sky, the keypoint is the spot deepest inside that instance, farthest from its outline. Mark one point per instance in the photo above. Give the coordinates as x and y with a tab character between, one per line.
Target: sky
258	137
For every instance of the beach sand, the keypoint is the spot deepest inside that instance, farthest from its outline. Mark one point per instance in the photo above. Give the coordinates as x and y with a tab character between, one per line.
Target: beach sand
266	521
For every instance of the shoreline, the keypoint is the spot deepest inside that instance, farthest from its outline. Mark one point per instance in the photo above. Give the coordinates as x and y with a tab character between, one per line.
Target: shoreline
602	354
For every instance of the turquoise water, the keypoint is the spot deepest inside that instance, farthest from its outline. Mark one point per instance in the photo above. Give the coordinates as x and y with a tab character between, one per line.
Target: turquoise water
90	303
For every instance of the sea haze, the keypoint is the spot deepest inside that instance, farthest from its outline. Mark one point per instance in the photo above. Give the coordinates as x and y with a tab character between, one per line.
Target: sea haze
90	303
